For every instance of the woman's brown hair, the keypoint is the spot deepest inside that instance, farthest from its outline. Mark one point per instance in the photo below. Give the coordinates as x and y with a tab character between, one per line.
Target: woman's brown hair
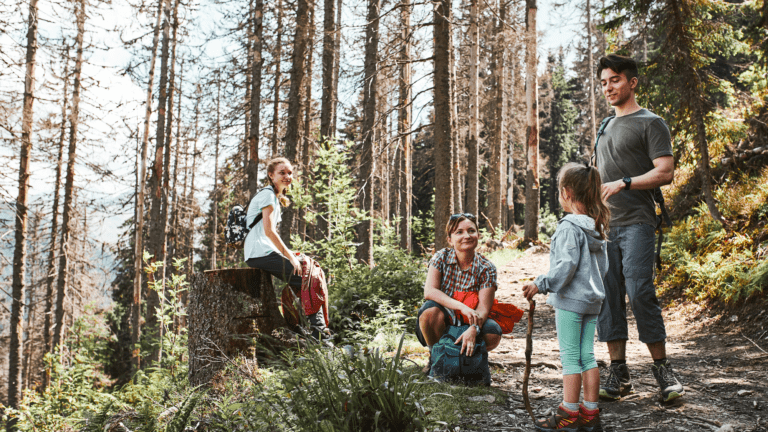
271	167
585	187
455	220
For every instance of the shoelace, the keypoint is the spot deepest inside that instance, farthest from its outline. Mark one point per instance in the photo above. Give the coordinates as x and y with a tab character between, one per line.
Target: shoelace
667	377
613	378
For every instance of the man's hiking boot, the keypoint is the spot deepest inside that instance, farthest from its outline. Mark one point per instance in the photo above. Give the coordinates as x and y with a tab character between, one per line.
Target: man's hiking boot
563	420
668	383
590	419
617	384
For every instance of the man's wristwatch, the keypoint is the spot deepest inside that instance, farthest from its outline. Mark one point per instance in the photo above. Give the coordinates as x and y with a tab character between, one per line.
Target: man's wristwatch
627	182
477	327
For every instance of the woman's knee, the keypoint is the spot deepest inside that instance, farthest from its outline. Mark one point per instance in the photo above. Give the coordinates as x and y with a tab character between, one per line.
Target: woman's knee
432	318
491	341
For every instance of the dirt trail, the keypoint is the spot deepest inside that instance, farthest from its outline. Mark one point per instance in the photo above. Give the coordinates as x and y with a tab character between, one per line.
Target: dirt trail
723	368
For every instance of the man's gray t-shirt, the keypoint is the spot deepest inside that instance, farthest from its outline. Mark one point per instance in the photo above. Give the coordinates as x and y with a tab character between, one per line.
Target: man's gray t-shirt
627	148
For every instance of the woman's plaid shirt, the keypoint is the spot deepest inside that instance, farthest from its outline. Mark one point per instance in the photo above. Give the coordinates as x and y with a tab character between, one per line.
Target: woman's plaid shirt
482	273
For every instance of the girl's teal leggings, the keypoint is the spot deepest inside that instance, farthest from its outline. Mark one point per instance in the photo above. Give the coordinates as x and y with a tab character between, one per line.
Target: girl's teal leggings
576	334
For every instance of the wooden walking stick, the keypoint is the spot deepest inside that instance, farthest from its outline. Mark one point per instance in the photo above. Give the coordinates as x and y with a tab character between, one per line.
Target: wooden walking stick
528	351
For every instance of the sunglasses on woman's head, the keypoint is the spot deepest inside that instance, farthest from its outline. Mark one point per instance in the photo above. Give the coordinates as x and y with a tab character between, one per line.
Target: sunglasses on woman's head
469	216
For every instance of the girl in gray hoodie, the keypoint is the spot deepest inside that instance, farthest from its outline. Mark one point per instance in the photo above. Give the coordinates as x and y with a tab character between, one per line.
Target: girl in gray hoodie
578	263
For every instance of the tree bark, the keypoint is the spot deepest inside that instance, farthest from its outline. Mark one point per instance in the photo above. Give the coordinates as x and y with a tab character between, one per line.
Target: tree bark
591	68
139	234
455	141
404	128
336	67
51	274
330	56
472	180
496	160
443	129
367	153
255	128
278	77
18	288
532	128
227	309
62	281
296	101
156	224
215	194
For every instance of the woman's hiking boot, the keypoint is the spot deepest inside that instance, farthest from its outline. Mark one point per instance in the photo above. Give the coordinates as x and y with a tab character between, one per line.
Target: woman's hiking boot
590	419
563	420
617	384
668	383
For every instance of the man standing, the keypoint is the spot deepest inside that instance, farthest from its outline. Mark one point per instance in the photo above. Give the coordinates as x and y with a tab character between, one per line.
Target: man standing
633	156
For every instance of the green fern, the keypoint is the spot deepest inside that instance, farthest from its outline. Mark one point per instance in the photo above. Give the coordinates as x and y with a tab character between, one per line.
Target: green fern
95	422
180	419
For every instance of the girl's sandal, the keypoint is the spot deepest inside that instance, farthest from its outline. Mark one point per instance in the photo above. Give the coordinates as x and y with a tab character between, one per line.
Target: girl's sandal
563	420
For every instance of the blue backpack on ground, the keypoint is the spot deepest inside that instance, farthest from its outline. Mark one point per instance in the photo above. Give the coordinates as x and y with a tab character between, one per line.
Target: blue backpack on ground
448	364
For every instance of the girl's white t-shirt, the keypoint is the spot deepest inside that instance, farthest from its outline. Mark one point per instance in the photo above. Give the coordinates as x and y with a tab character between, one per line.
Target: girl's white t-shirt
256	243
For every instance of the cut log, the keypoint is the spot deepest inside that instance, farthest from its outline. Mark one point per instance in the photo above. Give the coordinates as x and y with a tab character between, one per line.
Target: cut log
227	309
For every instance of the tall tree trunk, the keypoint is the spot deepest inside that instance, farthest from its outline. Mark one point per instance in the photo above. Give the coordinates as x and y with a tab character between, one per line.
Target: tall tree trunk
337	65
215	203
591	68
368	153
51	274
474	113
192	201
330	56
404	128
156	223
278	77
173	232
18	288
139	233
62	281
255	128
455	144
296	101
443	129
532	127
496	160
306	152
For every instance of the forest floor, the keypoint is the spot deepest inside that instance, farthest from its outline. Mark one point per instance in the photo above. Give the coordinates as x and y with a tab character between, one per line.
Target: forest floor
719	356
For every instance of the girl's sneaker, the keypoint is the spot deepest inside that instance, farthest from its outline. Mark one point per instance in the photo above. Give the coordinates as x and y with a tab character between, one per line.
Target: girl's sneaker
564	420
590	419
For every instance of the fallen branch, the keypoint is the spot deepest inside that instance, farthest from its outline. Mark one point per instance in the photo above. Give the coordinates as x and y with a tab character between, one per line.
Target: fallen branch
753	343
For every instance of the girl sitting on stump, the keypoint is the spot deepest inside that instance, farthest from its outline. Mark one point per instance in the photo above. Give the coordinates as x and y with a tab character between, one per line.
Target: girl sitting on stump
263	247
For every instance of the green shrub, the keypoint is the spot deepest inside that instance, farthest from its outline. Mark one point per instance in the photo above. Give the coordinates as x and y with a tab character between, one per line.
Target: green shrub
329	390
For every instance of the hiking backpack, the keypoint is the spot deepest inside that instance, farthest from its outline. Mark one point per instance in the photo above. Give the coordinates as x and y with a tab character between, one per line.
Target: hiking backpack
237	228
658	196
448	364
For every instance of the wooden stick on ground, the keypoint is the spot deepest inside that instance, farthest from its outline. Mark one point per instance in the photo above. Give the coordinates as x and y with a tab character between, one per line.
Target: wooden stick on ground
528	352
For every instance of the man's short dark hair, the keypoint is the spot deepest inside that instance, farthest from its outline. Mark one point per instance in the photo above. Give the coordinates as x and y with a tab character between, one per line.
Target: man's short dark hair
618	64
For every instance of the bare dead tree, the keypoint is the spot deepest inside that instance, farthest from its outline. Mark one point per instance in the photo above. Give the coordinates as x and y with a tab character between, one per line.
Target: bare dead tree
532	127
255	122
18	288
443	130
69	212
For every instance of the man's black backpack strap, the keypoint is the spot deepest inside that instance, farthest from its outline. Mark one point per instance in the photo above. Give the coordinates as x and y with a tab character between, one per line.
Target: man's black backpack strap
600	130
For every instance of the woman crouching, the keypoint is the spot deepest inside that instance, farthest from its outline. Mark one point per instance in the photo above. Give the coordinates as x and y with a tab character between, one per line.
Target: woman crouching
455	269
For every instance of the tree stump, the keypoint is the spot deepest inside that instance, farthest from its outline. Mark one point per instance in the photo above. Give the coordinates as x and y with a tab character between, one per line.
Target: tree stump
227	309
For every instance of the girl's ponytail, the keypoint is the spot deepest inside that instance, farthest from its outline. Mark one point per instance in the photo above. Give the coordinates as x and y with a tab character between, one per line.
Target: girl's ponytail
585	187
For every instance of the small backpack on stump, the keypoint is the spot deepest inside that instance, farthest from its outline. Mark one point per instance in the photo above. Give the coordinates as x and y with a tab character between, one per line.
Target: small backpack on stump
237	228
448	364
